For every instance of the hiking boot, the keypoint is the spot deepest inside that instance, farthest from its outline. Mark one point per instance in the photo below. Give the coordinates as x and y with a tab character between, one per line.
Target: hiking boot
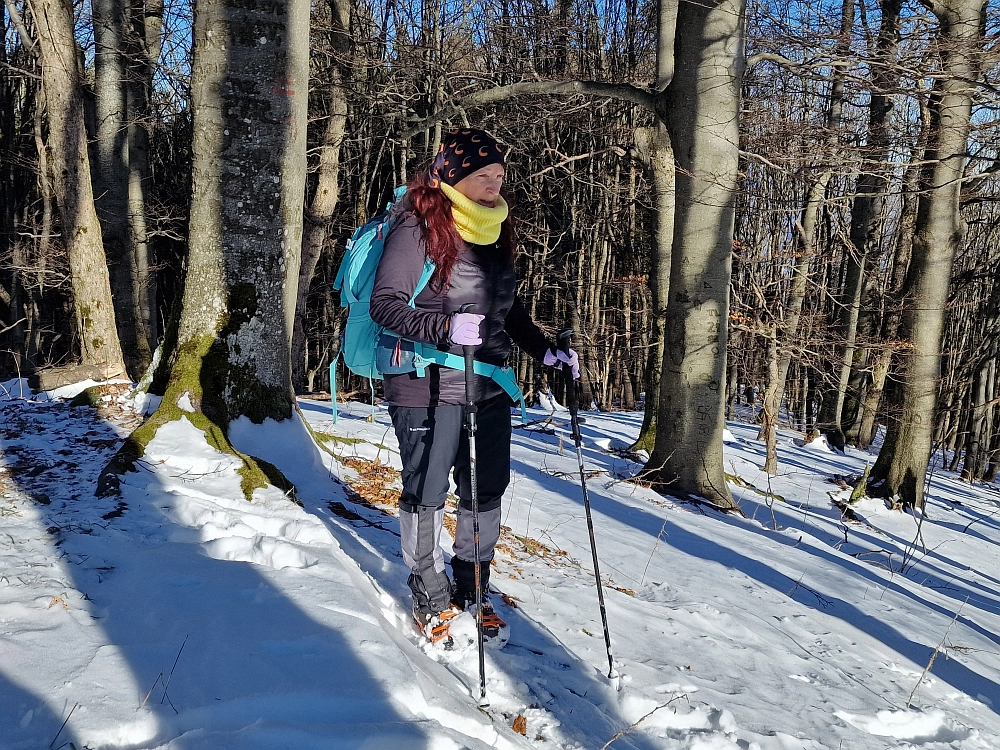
496	632
493	625
434	626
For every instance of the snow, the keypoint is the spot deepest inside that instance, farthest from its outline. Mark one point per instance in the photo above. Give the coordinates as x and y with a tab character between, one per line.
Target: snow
180	616
818	444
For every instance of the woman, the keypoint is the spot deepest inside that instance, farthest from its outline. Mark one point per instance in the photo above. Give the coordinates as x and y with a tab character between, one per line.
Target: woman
453	214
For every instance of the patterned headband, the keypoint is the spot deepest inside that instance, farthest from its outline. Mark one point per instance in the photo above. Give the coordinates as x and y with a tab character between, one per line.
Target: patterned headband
463	152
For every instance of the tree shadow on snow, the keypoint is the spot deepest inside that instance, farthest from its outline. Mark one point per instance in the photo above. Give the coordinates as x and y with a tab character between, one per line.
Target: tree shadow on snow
28	722
951	671
534	665
959	591
210	648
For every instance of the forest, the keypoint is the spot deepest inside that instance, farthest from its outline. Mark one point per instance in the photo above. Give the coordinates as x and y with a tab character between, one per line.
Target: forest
787	206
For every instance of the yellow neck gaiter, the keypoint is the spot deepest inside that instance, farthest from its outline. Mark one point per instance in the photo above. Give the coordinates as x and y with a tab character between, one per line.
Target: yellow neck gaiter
477	224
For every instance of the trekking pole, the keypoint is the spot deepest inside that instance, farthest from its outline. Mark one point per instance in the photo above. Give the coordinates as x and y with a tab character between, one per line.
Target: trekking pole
470	413
562	339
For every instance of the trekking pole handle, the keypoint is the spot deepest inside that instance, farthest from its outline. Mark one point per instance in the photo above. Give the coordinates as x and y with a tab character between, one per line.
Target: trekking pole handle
562	341
469	352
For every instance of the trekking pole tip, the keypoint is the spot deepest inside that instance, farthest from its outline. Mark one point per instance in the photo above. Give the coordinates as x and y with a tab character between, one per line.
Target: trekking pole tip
615	678
484	702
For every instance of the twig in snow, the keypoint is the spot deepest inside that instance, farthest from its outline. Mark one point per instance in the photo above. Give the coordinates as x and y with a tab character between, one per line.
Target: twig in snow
63	725
167	683
937	650
631	727
823	601
151	689
769	499
911	549
653	552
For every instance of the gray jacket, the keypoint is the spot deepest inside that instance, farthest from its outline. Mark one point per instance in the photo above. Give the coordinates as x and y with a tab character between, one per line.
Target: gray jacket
482	277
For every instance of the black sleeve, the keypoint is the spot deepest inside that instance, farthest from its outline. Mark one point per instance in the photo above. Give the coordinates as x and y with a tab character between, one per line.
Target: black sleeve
523	331
396	278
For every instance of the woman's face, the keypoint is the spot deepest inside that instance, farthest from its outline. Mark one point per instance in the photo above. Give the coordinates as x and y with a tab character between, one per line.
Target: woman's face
483	186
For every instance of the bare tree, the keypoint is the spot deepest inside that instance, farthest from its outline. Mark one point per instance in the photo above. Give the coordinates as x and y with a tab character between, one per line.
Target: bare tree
902	462
95	315
701	110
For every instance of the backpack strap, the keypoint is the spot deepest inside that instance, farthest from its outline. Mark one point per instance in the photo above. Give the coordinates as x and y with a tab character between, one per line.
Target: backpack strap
425	355
423	281
333	386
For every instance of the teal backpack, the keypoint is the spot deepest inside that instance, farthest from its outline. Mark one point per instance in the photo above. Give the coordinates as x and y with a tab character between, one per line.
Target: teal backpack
369	350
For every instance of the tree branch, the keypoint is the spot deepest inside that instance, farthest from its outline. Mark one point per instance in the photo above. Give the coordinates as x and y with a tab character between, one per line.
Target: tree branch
786	62
570	159
20	71
622	91
22	31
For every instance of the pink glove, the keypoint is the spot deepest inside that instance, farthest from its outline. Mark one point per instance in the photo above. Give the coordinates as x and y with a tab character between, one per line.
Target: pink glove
552	358
464	329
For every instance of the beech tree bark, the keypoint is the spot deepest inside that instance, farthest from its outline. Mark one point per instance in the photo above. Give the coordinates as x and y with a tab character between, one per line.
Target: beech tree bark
657	155
902	462
701	110
81	230
249	86
112	172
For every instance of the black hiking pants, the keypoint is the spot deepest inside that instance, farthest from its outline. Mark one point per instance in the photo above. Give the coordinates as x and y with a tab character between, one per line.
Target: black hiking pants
433	444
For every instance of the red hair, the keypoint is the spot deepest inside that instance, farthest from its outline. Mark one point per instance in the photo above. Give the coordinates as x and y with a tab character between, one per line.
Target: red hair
441	238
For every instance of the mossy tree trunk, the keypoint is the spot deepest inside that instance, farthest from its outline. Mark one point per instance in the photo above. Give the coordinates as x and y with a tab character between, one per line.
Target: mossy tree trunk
249	80
231	345
657	156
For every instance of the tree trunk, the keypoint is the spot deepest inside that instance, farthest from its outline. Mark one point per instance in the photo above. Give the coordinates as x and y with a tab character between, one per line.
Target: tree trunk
786	333
146	29
324	200
902	462
95	315
865	214
113	177
249	81
769	411
624	364
584	347
701	110
657	156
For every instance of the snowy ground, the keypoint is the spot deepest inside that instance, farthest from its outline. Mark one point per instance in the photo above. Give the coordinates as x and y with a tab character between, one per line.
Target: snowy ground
179	616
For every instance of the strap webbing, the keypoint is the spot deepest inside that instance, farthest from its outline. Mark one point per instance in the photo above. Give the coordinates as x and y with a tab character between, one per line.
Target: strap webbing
333	386
425	355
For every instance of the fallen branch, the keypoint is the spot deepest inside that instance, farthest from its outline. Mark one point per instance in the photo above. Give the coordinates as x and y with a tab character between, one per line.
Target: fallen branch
634	725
